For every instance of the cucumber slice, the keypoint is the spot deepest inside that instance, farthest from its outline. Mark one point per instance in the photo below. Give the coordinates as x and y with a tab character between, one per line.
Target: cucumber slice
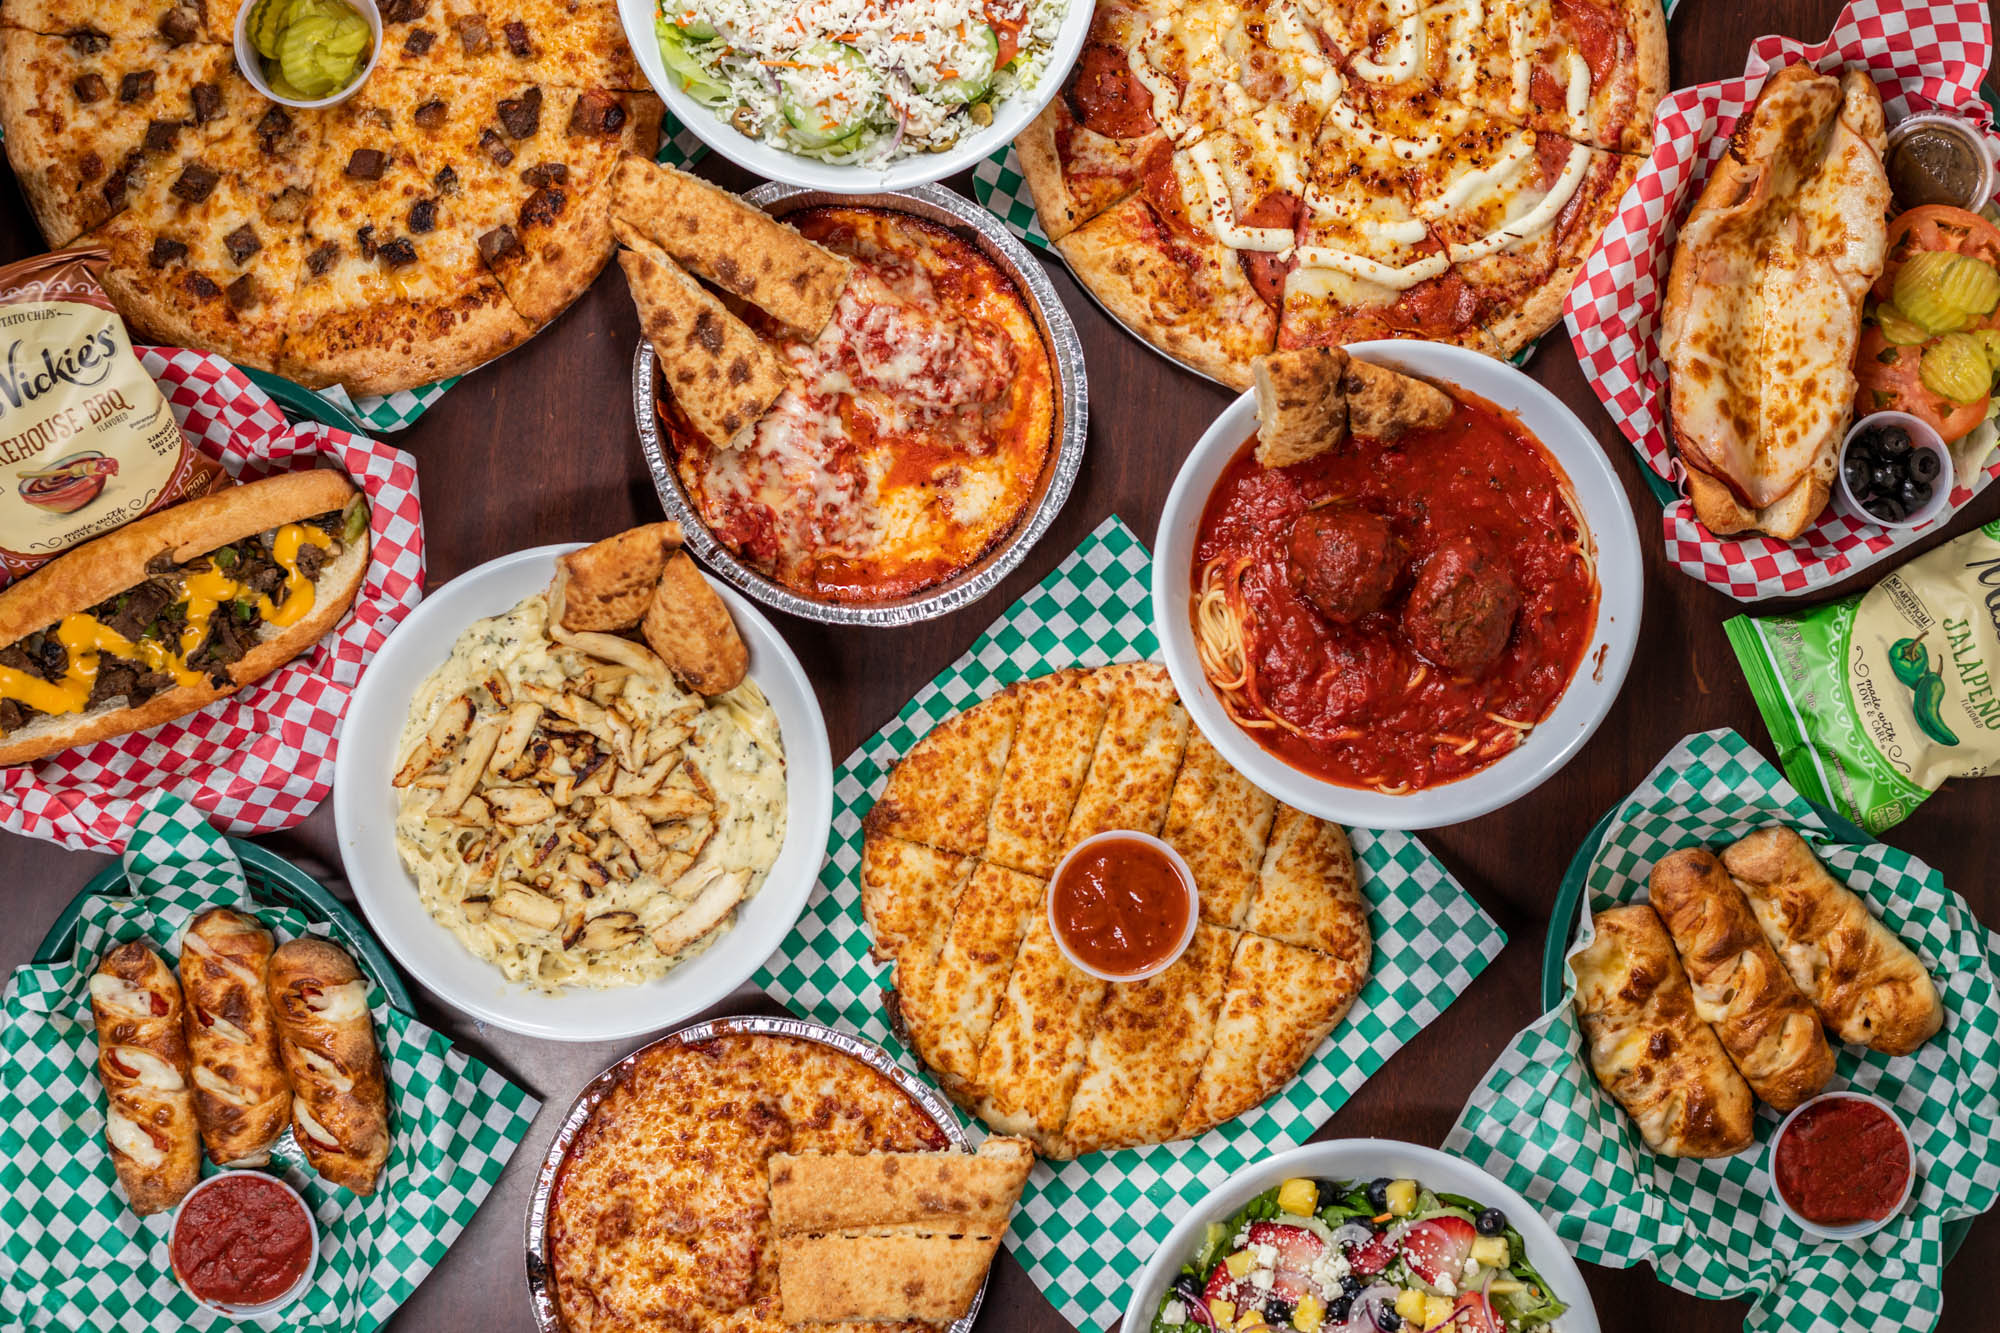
821	116
697	29
682	63
975	69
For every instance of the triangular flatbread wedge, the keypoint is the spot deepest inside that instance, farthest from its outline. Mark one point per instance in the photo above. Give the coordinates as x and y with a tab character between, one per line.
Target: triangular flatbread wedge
1034	1054
948	1021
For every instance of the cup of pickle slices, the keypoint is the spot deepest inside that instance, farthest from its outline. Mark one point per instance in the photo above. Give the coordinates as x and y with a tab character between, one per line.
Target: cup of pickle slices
308	53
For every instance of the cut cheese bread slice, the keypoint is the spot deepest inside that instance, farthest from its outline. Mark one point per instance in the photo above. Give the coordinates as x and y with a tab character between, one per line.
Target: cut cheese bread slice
1219	822
948	1022
908	895
1062	714
920	1193
1138	752
891	1277
1307	890
1035	1052
940	794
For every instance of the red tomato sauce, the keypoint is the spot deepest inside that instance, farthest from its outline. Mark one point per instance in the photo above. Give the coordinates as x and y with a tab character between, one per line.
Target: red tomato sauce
1368	711
1121	906
1841	1162
242	1241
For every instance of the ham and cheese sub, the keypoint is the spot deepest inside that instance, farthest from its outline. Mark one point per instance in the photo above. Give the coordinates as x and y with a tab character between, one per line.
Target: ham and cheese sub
340	1105
240	1095
1741	989
1647	1046
142	1060
1869	987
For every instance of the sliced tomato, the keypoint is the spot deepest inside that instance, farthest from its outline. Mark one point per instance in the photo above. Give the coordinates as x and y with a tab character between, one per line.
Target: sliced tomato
1936	227
1008	30
1890	380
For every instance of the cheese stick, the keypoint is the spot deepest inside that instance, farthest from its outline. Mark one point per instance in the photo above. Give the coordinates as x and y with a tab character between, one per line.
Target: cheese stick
142	1060
1869	987
240	1095
340	1106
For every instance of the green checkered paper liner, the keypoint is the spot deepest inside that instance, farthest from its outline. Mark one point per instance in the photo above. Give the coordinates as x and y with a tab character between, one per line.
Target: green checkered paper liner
1539	1120
1085	1227
73	1255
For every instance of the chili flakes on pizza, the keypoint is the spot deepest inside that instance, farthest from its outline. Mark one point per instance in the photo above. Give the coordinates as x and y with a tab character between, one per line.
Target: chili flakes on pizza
1229	176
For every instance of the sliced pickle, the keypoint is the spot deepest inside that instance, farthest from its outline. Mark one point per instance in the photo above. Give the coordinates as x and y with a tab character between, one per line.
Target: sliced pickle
1898	328
265	23
1955	367
1920	292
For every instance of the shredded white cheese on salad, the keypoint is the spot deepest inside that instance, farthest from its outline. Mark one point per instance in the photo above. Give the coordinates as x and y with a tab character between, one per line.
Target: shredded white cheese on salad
856	81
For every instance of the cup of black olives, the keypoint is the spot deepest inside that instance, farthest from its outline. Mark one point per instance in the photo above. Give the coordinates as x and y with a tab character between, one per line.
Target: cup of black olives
1895	471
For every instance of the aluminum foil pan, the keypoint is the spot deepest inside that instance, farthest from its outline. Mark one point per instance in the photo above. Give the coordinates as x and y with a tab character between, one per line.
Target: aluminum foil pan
934	203
541	1281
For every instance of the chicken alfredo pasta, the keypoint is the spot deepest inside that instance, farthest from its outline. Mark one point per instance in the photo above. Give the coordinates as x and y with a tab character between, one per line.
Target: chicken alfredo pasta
572	813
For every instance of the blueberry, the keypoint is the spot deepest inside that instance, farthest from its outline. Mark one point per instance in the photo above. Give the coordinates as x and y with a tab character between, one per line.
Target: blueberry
1924	465
1351	1285
1378	1194
1387	1320
1491	1222
1188	1287
1279	1313
1892	442
1338	1311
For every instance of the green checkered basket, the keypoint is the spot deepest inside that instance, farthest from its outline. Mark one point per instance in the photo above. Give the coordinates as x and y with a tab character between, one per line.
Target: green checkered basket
73	1255
1539	1120
1086	1227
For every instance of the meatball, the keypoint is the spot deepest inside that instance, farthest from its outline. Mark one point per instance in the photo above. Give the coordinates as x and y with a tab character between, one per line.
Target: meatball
1461	608
1344	562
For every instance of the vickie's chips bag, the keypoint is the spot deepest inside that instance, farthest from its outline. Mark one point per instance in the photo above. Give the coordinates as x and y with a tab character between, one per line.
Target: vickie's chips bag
87	442
1875	700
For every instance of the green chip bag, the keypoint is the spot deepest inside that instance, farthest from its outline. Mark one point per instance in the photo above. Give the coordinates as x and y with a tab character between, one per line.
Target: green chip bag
1875	700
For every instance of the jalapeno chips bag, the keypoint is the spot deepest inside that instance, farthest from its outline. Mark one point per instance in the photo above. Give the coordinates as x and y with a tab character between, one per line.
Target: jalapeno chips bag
1875	700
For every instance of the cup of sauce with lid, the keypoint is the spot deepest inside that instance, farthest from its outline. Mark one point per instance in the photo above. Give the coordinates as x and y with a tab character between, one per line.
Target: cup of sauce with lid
1939	159
1122	906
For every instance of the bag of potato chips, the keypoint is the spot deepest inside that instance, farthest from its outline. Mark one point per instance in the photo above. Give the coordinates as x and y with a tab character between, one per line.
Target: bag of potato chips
1875	700
87	441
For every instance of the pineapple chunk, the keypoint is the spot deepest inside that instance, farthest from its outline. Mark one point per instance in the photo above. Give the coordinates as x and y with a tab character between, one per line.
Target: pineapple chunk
1238	1264
1224	1312
1298	1197
1410	1305
1402	1195
1252	1318
1309	1314
1491	1251
1438	1311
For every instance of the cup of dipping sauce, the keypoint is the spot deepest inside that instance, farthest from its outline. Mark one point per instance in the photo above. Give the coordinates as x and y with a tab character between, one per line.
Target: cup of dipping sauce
244	1244
1843	1165
1937	159
1122	905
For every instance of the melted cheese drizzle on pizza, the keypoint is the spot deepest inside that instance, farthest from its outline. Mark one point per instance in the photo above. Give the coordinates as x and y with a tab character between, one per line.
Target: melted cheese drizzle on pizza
1194	43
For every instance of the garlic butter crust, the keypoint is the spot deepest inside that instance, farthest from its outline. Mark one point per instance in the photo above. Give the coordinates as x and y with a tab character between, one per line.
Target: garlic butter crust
340	1109
241	1099
142	1060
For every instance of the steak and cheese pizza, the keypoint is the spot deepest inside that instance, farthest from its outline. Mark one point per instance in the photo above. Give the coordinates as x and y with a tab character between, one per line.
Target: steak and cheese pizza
954	878
1230	176
433	220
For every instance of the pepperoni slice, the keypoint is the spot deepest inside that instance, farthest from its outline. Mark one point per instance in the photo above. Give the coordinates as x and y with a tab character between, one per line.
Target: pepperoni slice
1596	35
1107	98
1266	271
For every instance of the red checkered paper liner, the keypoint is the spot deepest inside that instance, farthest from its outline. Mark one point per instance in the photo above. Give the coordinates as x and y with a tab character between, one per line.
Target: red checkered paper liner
261	759
1923	57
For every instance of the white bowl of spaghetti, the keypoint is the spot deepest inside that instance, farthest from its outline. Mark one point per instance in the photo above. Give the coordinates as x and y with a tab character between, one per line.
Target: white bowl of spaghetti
1403	635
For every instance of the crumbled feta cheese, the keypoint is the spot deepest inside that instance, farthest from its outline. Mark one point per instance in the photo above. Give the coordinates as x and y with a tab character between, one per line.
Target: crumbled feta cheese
1329	1269
1173	1312
1264	1256
1262	1278
1445	1286
1242	1238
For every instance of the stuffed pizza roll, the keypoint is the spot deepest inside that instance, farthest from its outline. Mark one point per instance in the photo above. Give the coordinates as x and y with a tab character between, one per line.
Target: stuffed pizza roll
340	1107
1770	1030
142	1060
240	1095
1869	987
1648	1048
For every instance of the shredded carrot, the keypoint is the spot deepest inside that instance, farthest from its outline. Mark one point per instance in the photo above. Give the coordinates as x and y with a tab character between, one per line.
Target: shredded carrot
847	37
791	64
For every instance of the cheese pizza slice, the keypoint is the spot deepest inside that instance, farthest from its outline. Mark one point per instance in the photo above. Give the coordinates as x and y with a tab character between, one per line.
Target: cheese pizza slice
1061	715
1138	752
908	895
1149	1045
393	291
1309	894
940	793
1035	1052
209	255
93	119
1280	1002
948	1024
1219	821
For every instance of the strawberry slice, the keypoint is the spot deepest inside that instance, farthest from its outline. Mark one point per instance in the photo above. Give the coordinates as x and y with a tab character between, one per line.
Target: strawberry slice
1474	1314
1439	1248
1220	1286
1296	1247
1367	1260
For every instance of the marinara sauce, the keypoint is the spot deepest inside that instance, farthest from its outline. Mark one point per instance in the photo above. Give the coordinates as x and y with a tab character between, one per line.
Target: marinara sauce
1356	703
242	1240
1121	906
1842	1161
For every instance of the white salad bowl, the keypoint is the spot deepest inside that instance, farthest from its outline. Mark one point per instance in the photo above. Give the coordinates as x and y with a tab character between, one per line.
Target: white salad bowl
1553	742
364	807
1010	117
1365	1159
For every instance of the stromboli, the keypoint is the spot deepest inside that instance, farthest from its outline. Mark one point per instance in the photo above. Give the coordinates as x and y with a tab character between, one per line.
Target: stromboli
240	1094
340	1110
142	1060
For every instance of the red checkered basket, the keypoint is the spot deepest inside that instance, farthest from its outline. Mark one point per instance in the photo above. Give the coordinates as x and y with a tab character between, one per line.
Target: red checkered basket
1924	57
261	759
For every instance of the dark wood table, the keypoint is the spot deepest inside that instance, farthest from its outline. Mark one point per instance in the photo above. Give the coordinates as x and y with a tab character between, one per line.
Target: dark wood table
541	448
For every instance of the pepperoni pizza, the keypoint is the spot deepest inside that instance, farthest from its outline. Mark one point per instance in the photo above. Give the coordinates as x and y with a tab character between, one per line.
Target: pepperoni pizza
1229	176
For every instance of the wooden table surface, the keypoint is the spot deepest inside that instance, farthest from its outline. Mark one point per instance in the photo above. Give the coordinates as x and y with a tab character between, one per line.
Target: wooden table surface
540	447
